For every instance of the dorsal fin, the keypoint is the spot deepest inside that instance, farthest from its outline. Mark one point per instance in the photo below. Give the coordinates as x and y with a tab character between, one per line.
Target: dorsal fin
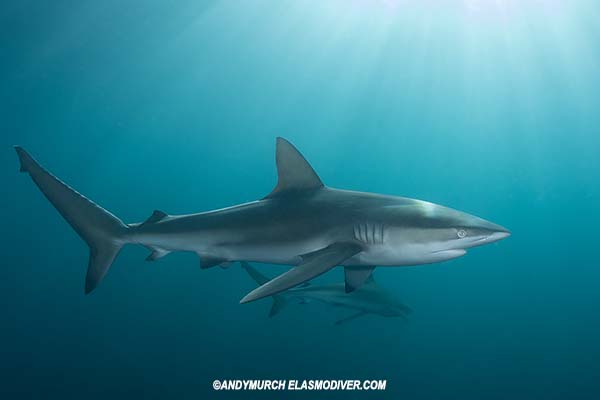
293	171
156	216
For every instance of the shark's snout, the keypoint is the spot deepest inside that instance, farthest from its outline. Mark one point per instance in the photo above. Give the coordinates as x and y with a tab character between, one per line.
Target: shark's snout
498	235
478	232
489	233
495	232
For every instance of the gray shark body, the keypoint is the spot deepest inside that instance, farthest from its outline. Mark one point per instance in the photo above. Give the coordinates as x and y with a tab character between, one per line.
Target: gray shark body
300	223
370	298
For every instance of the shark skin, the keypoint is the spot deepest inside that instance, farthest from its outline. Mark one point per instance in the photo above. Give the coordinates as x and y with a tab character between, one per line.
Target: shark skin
370	298
301	223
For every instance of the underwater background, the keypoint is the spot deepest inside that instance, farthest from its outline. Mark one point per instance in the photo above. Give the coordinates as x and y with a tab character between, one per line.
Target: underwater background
489	107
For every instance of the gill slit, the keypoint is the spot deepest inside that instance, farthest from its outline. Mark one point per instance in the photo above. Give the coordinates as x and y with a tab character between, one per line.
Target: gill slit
369	233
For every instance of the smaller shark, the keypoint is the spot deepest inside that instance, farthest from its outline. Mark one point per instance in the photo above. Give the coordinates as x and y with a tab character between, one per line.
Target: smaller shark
367	299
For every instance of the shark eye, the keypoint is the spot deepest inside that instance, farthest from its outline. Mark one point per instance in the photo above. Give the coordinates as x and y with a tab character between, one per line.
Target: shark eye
461	233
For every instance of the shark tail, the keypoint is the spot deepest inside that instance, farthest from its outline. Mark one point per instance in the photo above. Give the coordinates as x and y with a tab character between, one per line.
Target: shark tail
104	233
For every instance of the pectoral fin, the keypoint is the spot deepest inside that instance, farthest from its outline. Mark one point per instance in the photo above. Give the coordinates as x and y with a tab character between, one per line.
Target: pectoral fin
314	264
356	276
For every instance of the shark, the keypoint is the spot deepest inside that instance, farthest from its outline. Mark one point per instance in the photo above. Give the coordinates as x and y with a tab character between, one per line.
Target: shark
370	298
301	223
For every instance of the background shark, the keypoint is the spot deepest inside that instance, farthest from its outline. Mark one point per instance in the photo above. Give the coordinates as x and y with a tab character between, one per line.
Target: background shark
368	299
301	222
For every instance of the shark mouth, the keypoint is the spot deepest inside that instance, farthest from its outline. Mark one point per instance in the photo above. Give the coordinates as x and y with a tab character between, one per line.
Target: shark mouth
451	253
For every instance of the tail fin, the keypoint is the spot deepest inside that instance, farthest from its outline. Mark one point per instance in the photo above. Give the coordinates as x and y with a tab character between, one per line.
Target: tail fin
104	233
278	300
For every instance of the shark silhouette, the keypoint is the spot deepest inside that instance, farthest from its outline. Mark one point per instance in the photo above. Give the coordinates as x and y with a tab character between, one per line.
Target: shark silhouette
370	298
301	223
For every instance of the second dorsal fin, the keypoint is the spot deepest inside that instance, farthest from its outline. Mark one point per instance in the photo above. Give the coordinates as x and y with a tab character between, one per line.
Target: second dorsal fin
294	173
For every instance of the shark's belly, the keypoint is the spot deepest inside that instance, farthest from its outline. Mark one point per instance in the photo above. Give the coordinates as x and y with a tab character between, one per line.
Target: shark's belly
274	252
409	254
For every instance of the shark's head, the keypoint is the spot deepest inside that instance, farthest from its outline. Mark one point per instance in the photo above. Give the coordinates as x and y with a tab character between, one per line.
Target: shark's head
433	233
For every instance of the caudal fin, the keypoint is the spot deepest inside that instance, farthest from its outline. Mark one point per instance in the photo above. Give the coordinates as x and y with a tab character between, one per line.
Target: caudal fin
104	233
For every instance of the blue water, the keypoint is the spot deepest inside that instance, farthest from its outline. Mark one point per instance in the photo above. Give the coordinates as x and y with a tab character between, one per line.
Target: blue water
490	107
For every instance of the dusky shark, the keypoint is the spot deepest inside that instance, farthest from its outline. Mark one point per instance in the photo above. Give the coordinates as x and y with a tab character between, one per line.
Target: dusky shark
301	223
370	298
